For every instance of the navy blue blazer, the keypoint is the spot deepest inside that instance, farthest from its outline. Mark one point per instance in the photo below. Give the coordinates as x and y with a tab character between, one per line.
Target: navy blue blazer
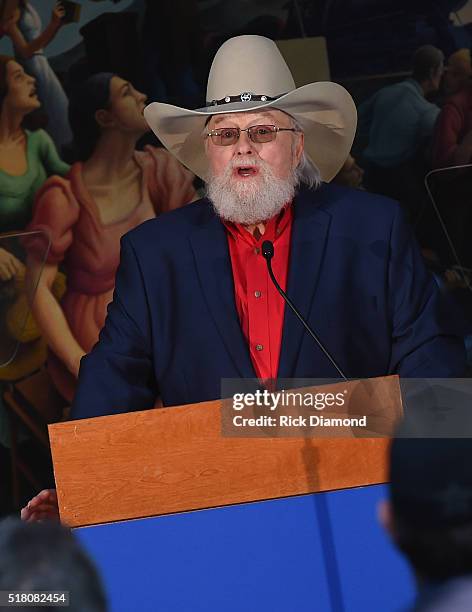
355	272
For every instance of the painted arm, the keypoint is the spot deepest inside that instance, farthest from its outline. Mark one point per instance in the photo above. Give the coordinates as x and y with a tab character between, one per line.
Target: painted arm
50	316
50	157
27	49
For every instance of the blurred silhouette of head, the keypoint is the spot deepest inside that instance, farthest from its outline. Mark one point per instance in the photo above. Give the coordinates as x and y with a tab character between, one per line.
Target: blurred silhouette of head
47	557
428	67
458	71
429	514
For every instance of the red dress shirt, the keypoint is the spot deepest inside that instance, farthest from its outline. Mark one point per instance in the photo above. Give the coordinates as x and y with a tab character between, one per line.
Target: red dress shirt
260	307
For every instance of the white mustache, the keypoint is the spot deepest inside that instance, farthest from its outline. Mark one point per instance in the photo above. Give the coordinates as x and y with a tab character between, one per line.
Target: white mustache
244	162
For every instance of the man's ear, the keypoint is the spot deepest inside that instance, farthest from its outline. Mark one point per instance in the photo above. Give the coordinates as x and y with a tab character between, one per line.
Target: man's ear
104	118
386	518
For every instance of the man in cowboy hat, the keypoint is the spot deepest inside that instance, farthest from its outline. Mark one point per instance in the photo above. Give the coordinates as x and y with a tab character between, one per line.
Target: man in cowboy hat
193	302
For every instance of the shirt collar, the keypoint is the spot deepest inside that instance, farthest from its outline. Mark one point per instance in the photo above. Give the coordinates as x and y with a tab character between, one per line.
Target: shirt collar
273	227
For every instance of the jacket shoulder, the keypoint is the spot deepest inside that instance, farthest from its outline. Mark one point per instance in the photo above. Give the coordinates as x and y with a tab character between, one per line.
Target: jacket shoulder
338	201
173	225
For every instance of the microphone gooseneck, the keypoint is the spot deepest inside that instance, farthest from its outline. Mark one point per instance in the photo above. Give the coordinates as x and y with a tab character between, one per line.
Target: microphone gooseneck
268	253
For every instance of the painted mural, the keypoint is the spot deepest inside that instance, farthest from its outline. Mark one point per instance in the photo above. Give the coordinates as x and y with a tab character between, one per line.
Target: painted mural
78	169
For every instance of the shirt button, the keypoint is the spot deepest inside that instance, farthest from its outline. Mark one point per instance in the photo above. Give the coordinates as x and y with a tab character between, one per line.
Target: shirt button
257	250
257	294
259	347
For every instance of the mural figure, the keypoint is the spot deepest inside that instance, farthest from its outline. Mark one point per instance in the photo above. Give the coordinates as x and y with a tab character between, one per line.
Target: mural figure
29	41
112	189
27	158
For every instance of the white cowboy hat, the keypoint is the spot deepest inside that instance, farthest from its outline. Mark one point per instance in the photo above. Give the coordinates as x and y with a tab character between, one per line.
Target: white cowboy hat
249	73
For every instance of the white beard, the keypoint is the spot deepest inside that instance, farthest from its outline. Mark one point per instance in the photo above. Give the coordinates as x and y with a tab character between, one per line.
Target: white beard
252	200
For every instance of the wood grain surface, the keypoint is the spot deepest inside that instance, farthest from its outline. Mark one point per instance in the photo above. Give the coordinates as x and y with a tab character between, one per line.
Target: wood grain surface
167	460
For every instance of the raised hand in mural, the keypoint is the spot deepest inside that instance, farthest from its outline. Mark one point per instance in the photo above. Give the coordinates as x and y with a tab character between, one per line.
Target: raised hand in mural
29	39
58	13
25	46
11	23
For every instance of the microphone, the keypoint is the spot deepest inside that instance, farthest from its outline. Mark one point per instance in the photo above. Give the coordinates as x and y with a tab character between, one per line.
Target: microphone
268	253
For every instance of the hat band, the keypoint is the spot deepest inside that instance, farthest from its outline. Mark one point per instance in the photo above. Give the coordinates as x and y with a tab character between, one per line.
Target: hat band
244	97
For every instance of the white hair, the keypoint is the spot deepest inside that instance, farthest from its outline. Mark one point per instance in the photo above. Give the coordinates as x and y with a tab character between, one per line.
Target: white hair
307	172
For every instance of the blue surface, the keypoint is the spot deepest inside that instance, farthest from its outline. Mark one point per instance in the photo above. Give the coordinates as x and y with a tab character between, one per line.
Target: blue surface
321	552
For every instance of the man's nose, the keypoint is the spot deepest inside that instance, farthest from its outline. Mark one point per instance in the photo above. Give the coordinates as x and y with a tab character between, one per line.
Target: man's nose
244	146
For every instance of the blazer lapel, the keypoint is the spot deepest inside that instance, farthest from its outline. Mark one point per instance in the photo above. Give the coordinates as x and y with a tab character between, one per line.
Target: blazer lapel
309	234
210	248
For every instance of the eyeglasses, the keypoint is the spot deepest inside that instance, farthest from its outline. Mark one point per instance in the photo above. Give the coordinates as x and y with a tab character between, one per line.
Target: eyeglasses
257	133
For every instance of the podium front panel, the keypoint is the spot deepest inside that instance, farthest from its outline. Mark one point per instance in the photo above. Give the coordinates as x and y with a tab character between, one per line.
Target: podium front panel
322	552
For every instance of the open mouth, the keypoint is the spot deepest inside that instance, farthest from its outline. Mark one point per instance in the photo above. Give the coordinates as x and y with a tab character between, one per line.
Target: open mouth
246	171
33	94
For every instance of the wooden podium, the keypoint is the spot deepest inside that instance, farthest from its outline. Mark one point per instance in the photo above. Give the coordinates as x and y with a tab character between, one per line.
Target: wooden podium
283	523
176	459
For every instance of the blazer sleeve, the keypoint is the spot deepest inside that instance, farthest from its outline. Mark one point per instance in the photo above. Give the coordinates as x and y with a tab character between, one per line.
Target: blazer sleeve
118	374
427	340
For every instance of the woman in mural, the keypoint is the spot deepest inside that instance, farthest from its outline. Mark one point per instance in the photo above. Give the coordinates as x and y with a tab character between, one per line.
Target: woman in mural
113	189
27	158
29	41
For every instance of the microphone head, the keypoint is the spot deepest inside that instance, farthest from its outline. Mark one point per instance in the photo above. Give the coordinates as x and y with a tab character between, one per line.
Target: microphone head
267	249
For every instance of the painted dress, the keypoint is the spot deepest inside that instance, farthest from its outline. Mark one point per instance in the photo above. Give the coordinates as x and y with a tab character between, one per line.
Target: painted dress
90	250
